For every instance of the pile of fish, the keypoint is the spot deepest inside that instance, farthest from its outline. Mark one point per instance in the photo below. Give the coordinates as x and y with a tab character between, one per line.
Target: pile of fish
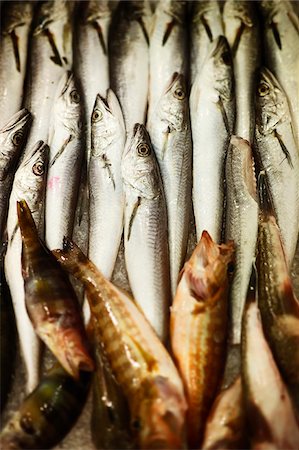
129	131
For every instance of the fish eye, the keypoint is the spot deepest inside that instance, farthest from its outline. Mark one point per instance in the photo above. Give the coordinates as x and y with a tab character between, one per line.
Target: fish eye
230	268
226	58
38	168
136	424
97	115
263	89
17	138
179	93
75	97
26	424
143	150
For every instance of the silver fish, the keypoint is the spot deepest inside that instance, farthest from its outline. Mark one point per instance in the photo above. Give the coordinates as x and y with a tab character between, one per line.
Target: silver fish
170	134
212	107
241	225
281	43
206	26
277	155
29	184
129	59
145	231
12	137
15	26
242	32
65	160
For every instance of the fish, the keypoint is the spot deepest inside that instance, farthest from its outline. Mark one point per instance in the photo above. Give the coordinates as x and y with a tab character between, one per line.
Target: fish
271	418
66	154
106	197
140	363
29	184
145	231
50	300
129	59
281	44
241	225
198	328
170	134
16	19
277	302
167	51
206	26
276	154
46	416
50	56
241	27
12	138
212	107
225	426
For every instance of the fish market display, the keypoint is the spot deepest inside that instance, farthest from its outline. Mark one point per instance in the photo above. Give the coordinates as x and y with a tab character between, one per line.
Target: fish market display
65	160
242	32
29	184
51	301
241	225
48	413
16	18
281	42
12	137
277	154
199	328
212	107
170	134
145	231
135	353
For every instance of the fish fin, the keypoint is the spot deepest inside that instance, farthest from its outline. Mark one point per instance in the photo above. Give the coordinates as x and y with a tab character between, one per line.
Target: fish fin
143	28
150	361
276	35
207	28
294	20
99	31
107	165
168	30
284	149
63	147
137	204
56	57
15	44
235	46
224	115
265	199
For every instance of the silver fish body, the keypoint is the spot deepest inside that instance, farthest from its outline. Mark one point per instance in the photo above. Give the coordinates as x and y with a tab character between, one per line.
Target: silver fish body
241	225
145	231
170	134
206	26
242	33
15	26
29	184
65	160
277	155
12	137
212	107
106	198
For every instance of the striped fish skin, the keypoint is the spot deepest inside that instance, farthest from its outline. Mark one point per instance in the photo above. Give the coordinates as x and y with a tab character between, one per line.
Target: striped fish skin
66	154
106	197
170	134
15	26
270	413
206	26
242	32
12	138
277	155
140	363
212	107
145	231
241	225
48	413
198	328
29	184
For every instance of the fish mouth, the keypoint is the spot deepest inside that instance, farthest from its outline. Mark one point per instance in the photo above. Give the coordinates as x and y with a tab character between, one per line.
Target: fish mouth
220	48
267	76
103	101
65	82
21	116
39	148
176	77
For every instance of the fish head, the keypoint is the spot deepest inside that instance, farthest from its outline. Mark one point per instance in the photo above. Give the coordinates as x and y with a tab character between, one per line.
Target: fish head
174	104
139	165
271	103
161	415
222	63
12	138
107	123
16	14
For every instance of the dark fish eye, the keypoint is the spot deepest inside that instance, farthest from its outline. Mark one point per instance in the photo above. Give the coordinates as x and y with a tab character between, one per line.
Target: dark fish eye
230	268
97	115
38	168
26	424
75	97
226	58
179	94
136	425
17	138
263	89
143	150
